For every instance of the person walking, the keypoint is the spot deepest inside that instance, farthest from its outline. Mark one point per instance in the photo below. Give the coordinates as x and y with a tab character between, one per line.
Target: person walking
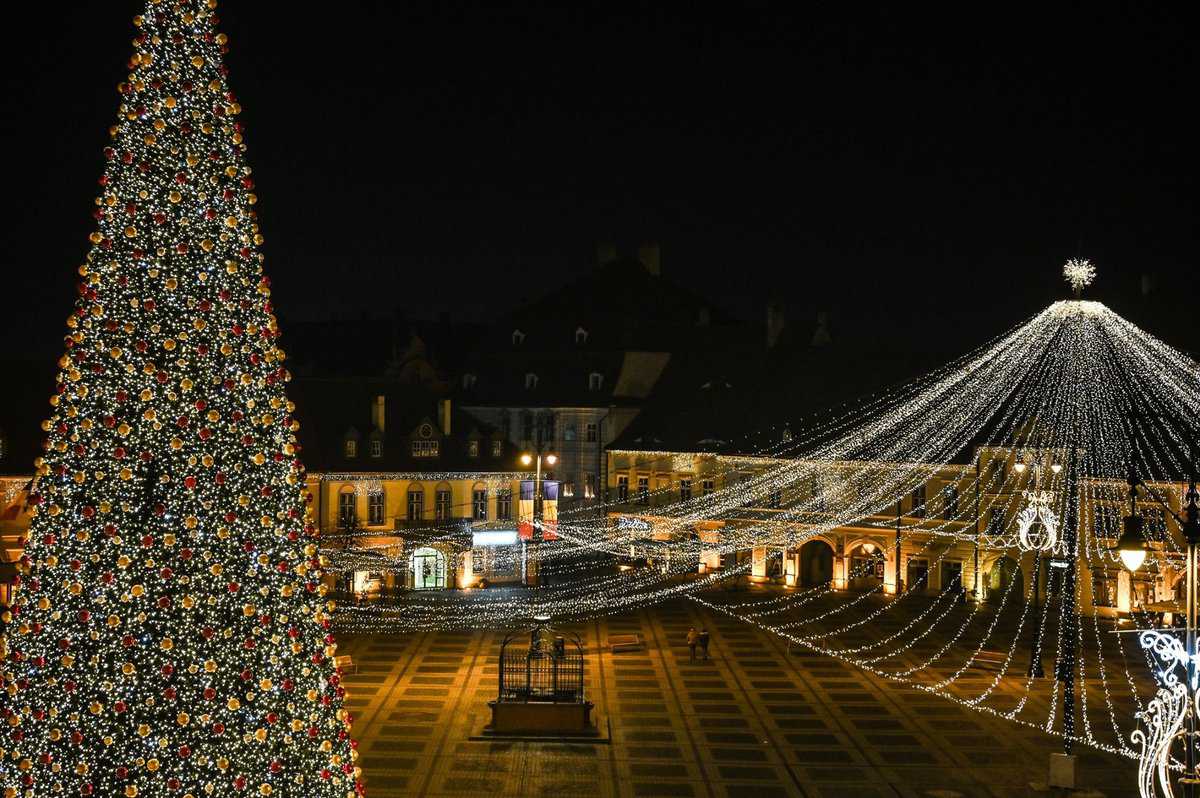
692	639
703	641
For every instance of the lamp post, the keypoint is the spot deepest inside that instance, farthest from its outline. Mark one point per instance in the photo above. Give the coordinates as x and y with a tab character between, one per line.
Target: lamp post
527	459
1172	712
1035	464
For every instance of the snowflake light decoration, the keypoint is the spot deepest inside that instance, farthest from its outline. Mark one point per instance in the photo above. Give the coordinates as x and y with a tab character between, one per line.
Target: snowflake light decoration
1080	273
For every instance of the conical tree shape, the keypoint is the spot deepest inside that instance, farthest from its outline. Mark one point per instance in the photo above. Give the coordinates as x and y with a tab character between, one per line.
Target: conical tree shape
169	635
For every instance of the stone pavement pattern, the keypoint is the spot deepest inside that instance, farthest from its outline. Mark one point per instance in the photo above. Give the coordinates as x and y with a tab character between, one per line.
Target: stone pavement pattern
753	721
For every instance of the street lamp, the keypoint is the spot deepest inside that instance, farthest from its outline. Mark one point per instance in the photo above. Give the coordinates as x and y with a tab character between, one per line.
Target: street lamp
1172	712
529	458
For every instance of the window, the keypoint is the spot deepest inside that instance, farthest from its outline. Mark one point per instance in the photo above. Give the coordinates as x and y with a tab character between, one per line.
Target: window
589	486
531	381
949	502
1106	522
685	489
479	508
918	502
547	428
1104	590
416	504
472	448
568	490
468	381
592	432
375	508
441	505
351	448
775	499
504	505
518	337
347	512
526	425
622	488
569	432
595	381
497	448
377	448
708	486
995	522
581	335
424	448
643	486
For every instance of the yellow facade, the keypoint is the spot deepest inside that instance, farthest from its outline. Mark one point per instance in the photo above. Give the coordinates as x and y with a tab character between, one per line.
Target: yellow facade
640	481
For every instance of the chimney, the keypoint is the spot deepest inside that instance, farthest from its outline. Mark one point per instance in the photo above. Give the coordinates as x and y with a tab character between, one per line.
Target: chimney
775	323
606	252
444	416
377	413
651	258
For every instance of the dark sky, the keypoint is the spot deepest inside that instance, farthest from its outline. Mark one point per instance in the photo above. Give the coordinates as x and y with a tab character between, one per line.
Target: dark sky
927	172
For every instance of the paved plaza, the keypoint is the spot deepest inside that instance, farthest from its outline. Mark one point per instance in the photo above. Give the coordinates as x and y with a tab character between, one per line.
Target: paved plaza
755	720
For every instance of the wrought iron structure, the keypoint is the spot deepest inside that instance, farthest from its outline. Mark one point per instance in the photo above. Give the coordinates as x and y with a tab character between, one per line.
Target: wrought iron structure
541	665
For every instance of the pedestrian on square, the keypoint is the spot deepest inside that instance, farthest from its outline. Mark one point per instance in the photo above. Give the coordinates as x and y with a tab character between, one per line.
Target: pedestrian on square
692	638
703	640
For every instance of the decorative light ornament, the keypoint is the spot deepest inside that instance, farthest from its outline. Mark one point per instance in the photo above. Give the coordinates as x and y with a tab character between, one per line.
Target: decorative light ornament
1037	510
1164	715
1080	273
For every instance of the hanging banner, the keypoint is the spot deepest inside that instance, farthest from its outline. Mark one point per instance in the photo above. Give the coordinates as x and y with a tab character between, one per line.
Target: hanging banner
525	510
549	510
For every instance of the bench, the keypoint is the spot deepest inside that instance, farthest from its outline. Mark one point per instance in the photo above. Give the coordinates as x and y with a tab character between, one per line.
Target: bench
345	663
624	643
989	660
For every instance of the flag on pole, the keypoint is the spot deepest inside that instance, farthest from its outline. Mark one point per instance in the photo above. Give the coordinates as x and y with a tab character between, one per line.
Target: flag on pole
550	510
525	510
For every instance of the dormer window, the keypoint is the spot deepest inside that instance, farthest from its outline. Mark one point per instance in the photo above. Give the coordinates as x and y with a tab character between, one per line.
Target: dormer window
351	448
468	381
377	448
424	444
581	335
531	381
472	448
518	337
595	381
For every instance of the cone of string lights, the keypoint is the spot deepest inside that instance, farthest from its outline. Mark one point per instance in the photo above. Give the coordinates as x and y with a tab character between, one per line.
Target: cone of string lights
169	634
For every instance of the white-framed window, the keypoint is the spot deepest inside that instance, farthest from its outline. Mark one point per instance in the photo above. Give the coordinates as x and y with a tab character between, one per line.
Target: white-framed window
592	432
416	504
643	486
441	504
623	488
518	337
424	448
375	508
479	504
918	502
376	448
472	448
581	335
497	448
351	448
595	381
347	508
949	502
504	505
708	486
685	489
531	381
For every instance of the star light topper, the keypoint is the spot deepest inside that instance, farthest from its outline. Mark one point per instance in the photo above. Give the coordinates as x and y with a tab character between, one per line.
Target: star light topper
1080	273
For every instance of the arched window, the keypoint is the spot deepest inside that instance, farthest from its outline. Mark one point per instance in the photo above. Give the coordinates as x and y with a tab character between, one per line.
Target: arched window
518	337
581	335
442	502
347	507
595	381
479	502
416	501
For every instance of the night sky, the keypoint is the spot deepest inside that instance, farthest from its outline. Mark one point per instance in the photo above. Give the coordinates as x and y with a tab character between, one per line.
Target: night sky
924	173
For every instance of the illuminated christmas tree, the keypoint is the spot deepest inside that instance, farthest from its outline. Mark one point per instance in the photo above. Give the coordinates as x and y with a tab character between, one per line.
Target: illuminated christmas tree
170	636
